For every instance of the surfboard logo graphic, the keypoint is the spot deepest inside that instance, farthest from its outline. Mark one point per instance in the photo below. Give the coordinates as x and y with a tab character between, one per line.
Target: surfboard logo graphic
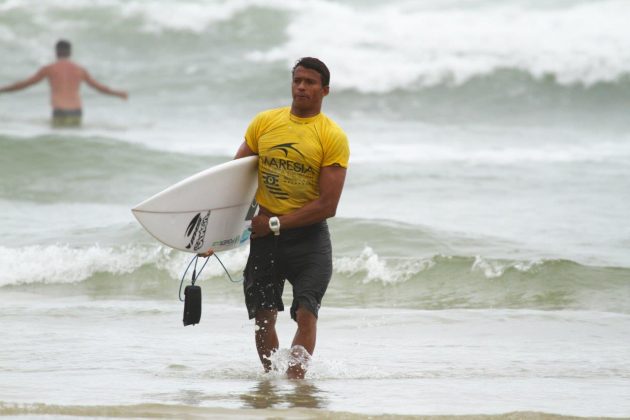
285	147
196	231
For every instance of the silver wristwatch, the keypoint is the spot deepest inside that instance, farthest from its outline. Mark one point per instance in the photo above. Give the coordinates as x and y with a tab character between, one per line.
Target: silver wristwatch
274	225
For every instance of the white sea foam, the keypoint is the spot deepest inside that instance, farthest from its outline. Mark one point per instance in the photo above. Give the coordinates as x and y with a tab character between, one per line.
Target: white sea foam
191	16
399	44
58	264
419	142
492	269
375	268
493	154
382	47
63	264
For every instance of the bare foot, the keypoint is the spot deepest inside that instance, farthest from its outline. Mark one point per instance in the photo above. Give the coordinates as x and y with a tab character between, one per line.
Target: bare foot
298	364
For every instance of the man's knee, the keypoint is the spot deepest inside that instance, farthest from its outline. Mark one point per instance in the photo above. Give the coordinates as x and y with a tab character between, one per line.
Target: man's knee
305	318
307	304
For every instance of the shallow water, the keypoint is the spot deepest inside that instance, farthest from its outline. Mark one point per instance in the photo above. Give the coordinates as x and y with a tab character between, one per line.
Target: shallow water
395	361
481	261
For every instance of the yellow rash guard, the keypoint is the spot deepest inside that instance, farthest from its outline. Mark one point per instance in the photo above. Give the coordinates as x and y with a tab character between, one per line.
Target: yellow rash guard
291	152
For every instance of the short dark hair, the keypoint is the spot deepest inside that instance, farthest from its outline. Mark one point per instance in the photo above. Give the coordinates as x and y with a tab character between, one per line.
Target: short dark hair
314	64
63	48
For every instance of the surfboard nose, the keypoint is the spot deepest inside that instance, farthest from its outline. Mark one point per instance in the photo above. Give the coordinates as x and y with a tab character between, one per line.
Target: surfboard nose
211	209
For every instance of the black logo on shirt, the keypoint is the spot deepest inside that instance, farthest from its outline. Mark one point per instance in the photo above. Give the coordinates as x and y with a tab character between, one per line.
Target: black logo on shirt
285	147
272	182
280	170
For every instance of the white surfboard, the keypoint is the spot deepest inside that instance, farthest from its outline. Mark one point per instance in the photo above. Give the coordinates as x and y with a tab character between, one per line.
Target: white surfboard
212	209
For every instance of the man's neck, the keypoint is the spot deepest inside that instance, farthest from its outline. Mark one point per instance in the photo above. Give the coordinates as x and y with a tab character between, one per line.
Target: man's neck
305	114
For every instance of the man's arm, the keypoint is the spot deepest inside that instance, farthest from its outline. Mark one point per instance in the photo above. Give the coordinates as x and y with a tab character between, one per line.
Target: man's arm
37	77
244	151
102	88
331	180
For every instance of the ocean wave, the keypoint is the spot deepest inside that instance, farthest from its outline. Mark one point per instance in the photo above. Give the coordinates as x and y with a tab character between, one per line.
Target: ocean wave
490	62
373	268
60	264
381	48
538	150
76	168
433	282
446	281
81	168
394	46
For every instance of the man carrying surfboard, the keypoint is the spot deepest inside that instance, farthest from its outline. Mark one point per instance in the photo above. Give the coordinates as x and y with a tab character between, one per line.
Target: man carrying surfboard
303	157
64	77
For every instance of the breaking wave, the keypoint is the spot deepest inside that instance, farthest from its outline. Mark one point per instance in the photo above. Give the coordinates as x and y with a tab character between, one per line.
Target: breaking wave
432	282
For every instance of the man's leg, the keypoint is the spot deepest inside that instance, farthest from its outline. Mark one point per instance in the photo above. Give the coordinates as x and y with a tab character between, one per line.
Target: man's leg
266	336
305	336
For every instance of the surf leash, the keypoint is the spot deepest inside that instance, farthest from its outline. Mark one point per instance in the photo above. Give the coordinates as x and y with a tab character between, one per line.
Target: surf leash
195	274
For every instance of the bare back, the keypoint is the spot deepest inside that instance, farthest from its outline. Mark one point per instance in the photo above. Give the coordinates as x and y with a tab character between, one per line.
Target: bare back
65	79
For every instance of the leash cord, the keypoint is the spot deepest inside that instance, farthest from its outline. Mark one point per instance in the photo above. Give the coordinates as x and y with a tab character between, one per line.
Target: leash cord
195	274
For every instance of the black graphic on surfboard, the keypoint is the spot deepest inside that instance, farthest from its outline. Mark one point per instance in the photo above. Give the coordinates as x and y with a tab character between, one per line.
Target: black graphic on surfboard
196	231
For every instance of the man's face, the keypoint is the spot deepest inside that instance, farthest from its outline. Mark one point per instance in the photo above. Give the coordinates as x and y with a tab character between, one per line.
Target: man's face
307	91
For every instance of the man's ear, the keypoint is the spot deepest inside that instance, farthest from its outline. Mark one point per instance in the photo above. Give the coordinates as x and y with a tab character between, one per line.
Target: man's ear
326	90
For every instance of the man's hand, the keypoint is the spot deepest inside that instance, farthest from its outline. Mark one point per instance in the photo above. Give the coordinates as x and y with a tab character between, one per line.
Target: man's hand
206	254
260	226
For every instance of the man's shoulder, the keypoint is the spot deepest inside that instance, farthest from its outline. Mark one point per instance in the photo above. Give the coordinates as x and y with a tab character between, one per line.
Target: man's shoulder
270	117
45	69
65	65
331	125
329	120
274	112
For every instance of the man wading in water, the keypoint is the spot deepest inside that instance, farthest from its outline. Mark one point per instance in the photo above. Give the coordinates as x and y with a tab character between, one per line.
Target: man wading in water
303	156
64	78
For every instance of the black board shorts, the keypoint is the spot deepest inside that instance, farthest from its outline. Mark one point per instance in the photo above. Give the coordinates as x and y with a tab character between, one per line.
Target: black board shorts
303	256
66	117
